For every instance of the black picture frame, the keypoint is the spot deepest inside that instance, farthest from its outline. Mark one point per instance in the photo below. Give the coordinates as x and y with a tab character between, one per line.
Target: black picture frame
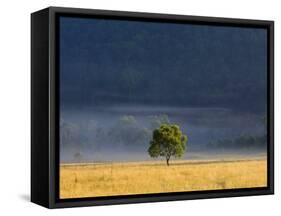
45	107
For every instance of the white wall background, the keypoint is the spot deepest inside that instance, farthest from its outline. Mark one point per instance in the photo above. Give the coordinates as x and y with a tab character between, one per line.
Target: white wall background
15	107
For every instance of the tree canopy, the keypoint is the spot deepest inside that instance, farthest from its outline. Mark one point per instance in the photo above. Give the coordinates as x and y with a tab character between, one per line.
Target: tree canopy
167	141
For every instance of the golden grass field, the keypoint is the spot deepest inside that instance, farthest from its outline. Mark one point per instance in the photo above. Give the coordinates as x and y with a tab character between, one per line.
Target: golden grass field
92	180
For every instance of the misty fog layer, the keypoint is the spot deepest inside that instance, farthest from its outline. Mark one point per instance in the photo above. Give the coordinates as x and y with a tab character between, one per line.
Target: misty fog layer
123	132
120	80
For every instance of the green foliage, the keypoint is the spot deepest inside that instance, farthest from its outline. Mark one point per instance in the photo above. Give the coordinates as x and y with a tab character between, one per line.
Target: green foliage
241	142
244	141
167	141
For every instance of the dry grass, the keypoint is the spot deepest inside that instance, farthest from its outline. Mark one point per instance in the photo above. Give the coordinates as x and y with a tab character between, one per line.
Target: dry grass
92	180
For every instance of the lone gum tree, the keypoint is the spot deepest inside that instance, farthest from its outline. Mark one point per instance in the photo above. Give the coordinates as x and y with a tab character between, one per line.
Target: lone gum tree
167	141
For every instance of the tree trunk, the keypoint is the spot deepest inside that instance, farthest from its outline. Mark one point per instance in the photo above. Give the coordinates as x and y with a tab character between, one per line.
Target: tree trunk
167	161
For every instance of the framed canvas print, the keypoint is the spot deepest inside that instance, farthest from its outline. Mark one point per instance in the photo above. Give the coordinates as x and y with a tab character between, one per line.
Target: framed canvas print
139	107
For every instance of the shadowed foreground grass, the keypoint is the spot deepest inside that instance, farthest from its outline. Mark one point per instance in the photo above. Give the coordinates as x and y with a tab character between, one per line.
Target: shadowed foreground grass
92	180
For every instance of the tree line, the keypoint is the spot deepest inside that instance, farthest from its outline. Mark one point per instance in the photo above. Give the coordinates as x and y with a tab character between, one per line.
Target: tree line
241	142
